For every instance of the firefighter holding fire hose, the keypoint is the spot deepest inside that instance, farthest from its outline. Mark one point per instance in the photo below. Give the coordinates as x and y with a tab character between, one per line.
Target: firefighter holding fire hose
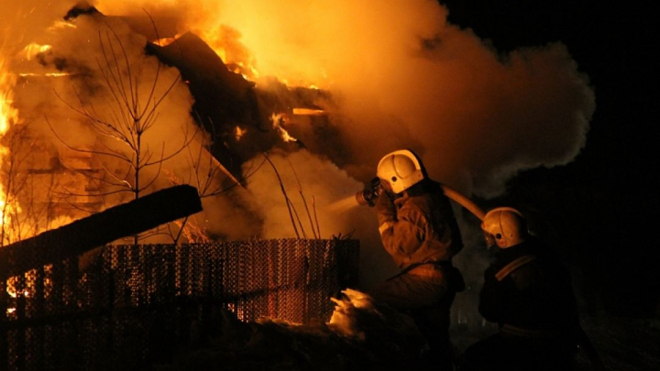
528	292
419	230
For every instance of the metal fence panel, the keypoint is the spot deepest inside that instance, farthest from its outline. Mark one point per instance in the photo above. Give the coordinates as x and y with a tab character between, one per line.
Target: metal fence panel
128	306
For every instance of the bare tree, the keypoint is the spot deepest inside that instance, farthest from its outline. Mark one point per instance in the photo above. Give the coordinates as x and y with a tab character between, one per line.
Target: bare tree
296	223
28	203
126	119
208	175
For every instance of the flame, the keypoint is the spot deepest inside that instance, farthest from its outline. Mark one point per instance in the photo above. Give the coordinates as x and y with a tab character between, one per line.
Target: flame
7	112
34	49
13	292
165	41
8	115
308	112
61	24
239	133
50	74
224	41
250	43
278	119
230	45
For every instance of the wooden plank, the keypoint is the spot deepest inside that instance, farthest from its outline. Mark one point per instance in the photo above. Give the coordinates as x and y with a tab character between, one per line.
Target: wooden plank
99	229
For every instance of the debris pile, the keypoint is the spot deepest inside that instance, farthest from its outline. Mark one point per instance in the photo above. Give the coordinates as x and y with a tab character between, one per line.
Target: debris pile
360	335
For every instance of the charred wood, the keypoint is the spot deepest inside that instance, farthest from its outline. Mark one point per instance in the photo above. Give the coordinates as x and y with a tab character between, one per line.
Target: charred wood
96	230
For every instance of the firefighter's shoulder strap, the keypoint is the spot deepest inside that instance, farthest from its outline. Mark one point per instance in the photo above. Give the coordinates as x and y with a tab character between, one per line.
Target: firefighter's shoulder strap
517	263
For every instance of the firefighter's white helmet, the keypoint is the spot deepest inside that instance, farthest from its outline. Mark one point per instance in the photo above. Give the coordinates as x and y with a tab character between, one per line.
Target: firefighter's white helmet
504	227
401	169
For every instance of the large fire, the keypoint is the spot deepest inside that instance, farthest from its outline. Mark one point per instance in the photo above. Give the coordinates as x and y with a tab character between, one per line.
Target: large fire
8	116
7	112
373	78
223	39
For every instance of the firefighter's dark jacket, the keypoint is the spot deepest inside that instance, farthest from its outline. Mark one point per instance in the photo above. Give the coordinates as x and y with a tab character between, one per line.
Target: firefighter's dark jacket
529	290
419	227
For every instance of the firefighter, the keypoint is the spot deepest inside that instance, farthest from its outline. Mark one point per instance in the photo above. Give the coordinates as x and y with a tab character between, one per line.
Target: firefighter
527	291
419	230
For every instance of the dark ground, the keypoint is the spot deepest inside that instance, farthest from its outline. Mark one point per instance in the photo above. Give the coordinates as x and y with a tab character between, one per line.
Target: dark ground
383	340
623	343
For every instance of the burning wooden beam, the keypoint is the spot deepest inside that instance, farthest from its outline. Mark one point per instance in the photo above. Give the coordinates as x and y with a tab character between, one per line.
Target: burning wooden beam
96	230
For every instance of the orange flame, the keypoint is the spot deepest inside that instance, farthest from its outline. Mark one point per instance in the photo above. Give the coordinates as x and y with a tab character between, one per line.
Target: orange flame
165	41
33	49
8	115
239	132
7	112
50	74
308	112
278	119
224	41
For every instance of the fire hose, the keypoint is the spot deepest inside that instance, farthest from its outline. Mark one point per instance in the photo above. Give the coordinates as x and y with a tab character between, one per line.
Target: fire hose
368	197
462	200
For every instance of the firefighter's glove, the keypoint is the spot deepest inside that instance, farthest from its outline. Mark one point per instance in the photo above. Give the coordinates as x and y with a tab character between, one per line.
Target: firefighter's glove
385	208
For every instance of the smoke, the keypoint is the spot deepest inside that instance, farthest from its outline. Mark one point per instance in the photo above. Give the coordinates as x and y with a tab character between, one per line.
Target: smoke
322	203
400	76
94	54
23	21
81	95
311	185
404	77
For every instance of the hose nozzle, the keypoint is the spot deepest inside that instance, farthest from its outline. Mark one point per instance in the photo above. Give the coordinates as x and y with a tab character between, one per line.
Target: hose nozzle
369	195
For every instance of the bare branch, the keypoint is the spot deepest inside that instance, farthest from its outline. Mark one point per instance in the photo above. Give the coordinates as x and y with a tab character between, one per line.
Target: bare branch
302	196
316	219
174	153
286	198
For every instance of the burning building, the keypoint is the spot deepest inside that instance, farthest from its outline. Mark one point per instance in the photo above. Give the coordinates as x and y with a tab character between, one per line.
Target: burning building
254	82
106	102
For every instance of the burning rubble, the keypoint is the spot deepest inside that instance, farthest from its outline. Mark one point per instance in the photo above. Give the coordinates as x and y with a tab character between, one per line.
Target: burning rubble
361	334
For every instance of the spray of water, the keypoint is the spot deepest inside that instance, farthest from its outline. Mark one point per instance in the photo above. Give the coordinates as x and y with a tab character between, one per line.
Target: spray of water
343	205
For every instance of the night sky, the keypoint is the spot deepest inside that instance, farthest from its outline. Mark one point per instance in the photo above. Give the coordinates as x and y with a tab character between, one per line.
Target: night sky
600	211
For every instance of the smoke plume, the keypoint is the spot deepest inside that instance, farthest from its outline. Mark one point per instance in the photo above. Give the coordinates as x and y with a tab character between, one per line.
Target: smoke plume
407	78
400	76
